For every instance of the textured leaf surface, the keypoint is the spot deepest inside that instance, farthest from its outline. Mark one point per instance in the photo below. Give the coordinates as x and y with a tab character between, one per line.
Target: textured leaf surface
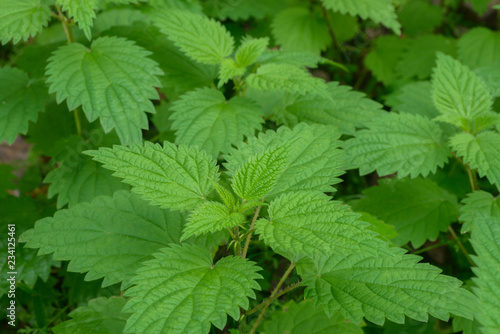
479	47
119	89
403	143
205	119
100	316
172	177
210	217
475	204
415	98
481	152
81	182
229	69
20	102
386	286
309	224
379	11
183	291
304	318
243	9
286	78
82	12
255	179
296	28
250	50
418	208
314	162
201	38
20	19
486	242
109	237
462	98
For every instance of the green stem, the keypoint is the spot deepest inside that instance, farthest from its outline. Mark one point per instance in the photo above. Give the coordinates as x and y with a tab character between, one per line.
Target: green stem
472	178
249	236
461	245
77	122
426	249
273	294
270	299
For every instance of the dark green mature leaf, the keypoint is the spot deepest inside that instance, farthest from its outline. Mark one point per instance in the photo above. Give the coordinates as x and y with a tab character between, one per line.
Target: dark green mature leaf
387	50
479	47
109	237
242	9
403	143
305	318
21	99
174	177
415	98
183	291
100	316
20	19
419	16
119	89
82	12
418	208
204	118
314	160
478	203
486	242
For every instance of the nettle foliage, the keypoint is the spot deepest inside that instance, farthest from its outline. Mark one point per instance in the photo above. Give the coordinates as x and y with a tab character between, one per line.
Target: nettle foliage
248	156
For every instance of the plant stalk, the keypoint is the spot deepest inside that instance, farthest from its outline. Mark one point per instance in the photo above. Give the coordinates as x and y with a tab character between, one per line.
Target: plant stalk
249	236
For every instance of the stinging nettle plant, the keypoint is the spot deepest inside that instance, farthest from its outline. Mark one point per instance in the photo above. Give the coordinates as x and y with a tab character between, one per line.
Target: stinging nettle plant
250	147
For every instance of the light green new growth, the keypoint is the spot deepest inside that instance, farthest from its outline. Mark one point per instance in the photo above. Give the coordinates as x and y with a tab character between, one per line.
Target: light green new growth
119	90
100	316
250	50
183	291
481	152
475	203
228	70
201	38
486	242
418	208
461	97
204	118
314	160
174	177
258	175
82	11
398	143
20	19
20	102
109	237
210	217
380	11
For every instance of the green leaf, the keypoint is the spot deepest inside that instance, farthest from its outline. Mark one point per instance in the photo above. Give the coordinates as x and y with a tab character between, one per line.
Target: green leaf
486	242
418	16
183	291
20	19
304	318
418	208
346	109
386	231
119	89
201	38
480	6
462	98
387	50
388	286
415	98
109	237
119	17
379	11
298	29
403	143
419	58
226	196
210	217
100	316
82	12
307	224
21	100
286	78
81	181
481	152
228	70
475	204
205	119
314	160
491	77
242	9
479	47
174	177
255	179
250	50
294	58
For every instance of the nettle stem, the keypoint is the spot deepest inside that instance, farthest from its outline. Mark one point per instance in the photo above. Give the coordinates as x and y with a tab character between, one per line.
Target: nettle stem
273	296
249	236
461	245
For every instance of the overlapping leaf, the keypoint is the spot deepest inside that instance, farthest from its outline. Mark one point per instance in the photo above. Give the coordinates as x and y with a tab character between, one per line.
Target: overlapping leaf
403	143
21	100
82	12
175	177
119	89
479	47
20	19
415	98
475	204
250	50
109	237
387	51
205	119
183	291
